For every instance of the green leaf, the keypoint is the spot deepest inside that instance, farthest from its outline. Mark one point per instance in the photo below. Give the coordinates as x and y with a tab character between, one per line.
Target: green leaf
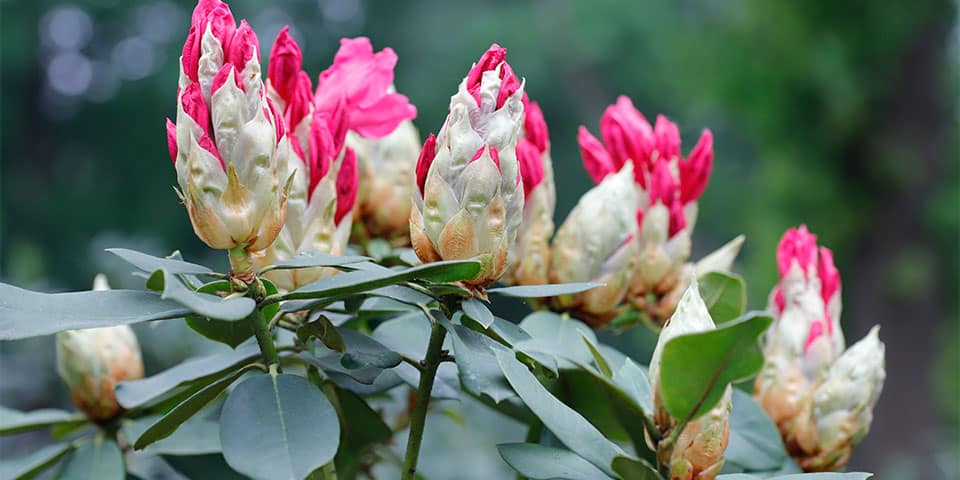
33	463
542	462
730	353
349	283
363	429
150	264
196	436
13	421
323	330
192	372
755	443
475	309
539	291
598	359
363	351
635	469
567	425
232	333
725	295
205	304
315	259
203	467
632	379
99	458
477	363
24	313
172	420
278	426
557	335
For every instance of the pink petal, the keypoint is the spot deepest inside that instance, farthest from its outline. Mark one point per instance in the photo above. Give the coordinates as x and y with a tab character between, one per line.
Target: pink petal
678	218
667	137
286	62
190	57
495	55
628	136
534	126
495	156
274	114
797	244
779	299
816	331
383	117
243	46
509	84
695	170
207	144
300	102
172	140
531	165
196	107
347	181
322	149
427	154
596	160
829	275
662	186
227	72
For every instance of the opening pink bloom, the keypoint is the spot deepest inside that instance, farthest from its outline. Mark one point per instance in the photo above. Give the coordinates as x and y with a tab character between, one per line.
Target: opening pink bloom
286	63
363	79
493	57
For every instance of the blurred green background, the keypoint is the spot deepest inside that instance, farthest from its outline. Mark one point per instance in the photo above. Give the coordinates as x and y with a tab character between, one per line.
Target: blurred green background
840	115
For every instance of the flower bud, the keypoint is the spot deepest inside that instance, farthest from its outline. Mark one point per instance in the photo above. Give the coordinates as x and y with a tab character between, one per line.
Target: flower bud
595	244
668	186
841	409
529	259
225	144
91	362
698	451
468	202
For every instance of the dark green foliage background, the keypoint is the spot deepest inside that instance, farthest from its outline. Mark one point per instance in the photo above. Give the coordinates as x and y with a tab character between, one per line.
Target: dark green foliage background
841	115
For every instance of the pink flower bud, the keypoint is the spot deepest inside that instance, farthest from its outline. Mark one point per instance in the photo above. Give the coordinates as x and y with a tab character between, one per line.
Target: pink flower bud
695	170
662	186
829	276
243	46
668	138
596	160
363	79
531	165
534	126
346	185
797	245
628	136
216	16
493	57
427	155
172	140
301	101
322	149
286	62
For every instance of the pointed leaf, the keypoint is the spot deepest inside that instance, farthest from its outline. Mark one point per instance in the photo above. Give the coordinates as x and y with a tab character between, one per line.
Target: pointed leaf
150	264
635	469
363	351
196	436
475	309
99	458
278	426
557	335
598	359
33	463
323	330
24	313
572	429
13	421
315	259
542	462
204	304
477	363
539	291
730	353
349	283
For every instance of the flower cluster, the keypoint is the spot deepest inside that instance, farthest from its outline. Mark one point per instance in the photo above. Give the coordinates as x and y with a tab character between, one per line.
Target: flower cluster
819	395
469	202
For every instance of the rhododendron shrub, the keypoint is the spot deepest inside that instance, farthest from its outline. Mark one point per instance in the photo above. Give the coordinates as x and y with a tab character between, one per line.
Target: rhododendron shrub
362	261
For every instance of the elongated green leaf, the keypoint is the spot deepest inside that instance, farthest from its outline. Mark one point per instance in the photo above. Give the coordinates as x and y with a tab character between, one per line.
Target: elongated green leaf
539	291
728	354
24	313
99	458
150	264
278	426
315	259
754	443
557	335
172	420
598	359
13	421
202	370
542	462
477	364
196	436
475	309
349	283
363	351
632	379
329	361
323	330
32	464
725	295
204	304
569	427
635	469
232	333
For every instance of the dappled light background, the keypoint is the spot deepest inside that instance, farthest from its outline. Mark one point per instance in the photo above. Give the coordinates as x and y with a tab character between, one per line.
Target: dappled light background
840	115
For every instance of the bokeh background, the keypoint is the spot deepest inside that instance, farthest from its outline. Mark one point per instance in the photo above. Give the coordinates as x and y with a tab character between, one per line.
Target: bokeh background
840	115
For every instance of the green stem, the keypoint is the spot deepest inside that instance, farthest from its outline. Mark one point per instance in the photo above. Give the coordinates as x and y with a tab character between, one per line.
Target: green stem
419	417
264	339
241	263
